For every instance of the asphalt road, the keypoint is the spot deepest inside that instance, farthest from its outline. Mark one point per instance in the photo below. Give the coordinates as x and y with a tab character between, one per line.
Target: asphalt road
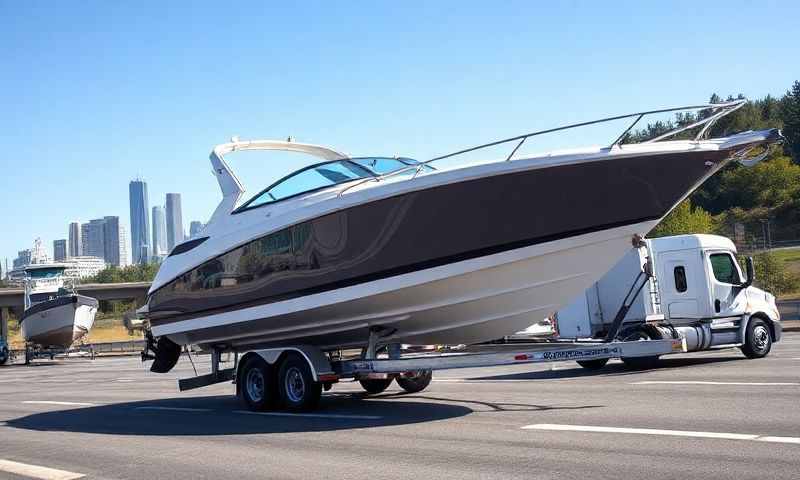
708	415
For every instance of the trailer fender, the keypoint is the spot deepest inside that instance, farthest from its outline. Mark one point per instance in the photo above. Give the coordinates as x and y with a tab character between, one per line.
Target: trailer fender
321	368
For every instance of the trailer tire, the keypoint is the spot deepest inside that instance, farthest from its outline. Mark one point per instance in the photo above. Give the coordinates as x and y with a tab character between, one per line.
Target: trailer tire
255	384
596	364
374	386
298	390
642	333
416	382
757	339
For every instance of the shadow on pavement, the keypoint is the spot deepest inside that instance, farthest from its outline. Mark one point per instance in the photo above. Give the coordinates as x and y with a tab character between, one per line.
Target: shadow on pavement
223	416
614	369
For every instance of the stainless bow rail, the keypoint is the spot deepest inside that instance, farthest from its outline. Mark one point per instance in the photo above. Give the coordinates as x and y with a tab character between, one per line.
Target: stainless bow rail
715	112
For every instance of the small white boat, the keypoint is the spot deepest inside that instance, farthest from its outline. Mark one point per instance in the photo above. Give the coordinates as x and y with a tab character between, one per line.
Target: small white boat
55	316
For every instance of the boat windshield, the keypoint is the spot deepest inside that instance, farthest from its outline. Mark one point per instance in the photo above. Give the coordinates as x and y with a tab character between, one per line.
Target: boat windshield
384	165
46	272
309	179
328	174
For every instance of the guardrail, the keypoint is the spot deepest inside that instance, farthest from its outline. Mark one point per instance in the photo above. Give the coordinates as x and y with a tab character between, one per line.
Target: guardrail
790	309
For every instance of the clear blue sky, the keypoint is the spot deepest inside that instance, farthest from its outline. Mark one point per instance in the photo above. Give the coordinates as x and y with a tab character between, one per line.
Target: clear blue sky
93	94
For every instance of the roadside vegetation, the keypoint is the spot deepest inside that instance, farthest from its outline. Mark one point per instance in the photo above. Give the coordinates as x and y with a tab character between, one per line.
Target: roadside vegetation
763	200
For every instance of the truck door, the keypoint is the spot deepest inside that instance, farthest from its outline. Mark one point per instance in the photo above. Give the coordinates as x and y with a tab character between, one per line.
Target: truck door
728	298
679	284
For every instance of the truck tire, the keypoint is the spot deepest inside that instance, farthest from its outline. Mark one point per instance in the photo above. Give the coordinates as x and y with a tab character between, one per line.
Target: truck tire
642	333
596	364
757	339
255	384
3	355
374	386
416	382
298	390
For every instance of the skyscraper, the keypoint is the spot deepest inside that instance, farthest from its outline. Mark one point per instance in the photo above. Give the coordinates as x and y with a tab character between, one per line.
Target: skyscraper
105	238
159	231
59	250
93	237
174	220
140	221
194	228
75	249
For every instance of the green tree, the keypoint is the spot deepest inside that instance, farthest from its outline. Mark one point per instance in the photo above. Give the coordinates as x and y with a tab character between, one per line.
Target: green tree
773	276
684	219
790	112
131	273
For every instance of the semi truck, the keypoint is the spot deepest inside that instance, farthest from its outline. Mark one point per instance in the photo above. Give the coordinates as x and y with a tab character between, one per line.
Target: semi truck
687	287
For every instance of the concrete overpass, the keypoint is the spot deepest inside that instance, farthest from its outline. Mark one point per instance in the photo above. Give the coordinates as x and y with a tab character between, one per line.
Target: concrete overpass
13	298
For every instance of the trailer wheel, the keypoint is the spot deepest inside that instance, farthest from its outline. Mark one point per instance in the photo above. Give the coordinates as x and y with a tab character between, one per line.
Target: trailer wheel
596	364
374	386
641	334
255	384
416	381
757	339
298	390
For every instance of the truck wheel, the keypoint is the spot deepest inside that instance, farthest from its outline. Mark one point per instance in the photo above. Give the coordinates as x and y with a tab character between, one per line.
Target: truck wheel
641	334
299	392
255	384
416	382
757	339
3	355
593	364
374	386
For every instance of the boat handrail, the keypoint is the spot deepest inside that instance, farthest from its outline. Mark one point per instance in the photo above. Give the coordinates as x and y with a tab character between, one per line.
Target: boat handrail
717	110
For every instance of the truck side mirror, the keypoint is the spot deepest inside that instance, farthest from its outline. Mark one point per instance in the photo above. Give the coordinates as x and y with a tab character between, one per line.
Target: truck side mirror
750	272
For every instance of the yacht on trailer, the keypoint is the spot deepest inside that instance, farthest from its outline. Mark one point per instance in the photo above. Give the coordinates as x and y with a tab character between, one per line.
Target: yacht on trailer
54	316
353	248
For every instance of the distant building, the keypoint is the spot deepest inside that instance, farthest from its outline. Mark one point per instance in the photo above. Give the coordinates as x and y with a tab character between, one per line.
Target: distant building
195	228
59	250
105	238
159	232
140	221
23	259
174	220
74	248
84	267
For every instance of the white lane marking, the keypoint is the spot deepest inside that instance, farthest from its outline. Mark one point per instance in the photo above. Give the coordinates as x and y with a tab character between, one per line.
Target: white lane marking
50	402
311	415
175	409
35	471
698	382
654	431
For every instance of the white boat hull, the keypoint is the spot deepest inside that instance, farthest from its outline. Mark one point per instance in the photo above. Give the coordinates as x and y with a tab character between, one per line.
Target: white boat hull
59	326
464	302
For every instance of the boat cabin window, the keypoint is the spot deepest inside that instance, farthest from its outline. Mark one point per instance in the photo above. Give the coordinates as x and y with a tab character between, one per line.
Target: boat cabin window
310	179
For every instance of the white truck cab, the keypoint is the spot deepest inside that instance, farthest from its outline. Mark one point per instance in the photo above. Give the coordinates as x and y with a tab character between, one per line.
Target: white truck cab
698	292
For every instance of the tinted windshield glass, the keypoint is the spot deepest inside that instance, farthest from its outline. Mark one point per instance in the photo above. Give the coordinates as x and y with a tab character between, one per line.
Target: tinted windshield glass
384	165
45	272
313	178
